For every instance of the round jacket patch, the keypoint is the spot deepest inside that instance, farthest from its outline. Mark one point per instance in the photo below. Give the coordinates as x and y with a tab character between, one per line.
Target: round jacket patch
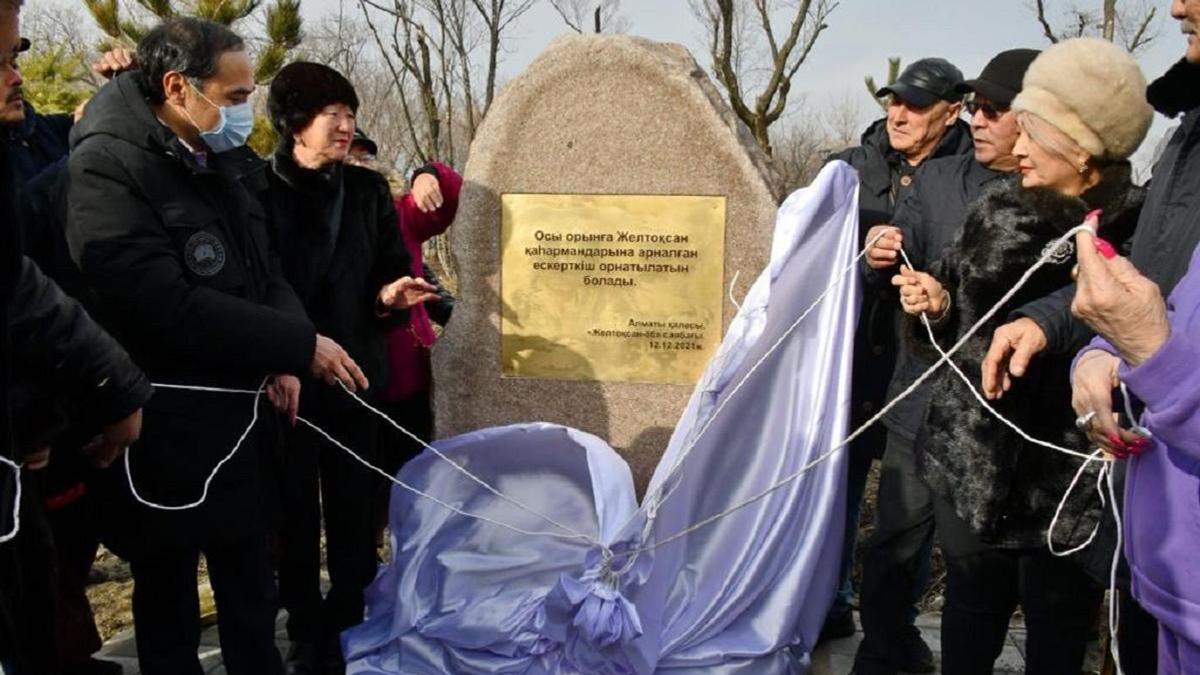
204	254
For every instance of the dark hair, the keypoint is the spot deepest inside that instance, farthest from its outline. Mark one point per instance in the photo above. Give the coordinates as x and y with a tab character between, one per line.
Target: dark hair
301	90
186	45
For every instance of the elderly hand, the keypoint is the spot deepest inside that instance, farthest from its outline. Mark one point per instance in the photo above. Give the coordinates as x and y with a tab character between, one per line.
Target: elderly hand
921	293
1013	346
427	193
407	292
331	364
885	250
114	62
1092	385
1118	302
284	393
113	440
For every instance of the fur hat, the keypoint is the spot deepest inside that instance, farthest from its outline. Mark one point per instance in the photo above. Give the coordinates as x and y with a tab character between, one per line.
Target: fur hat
301	90
1092	91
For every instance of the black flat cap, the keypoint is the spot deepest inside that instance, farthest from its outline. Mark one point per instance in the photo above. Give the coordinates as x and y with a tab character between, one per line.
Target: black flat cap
924	82
361	138
1000	81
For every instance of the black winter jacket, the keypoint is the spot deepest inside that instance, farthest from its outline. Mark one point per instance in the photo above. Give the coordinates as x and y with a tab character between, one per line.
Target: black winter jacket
338	281
1003	487
885	179
51	336
176	252
37	142
930	217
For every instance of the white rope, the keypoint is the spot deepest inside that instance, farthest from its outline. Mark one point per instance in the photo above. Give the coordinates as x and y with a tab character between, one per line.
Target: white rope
16	510
1105	476
979	397
733	285
572	535
945	357
1114	612
1100	477
657	498
213	474
463	470
654	500
585	538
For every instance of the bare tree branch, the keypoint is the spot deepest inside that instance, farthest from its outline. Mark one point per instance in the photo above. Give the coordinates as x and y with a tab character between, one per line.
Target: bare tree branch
576	14
722	19
1041	17
1127	22
1142	36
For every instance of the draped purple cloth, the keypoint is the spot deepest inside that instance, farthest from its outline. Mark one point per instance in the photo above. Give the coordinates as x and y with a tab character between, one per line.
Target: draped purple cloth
745	593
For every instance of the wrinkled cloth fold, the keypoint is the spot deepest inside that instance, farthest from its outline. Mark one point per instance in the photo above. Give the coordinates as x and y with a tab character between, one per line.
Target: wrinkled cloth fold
603	591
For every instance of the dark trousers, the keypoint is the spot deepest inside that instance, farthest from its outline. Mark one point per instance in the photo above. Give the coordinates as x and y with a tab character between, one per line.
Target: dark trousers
985	584
858	468
76	539
318	476
896	561
396	447
166	609
1137	637
36	610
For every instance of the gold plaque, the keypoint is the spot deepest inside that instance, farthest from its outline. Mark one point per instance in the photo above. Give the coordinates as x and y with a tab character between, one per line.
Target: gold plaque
611	288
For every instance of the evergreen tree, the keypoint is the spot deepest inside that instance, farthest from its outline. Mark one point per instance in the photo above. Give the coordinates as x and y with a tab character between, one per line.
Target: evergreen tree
124	28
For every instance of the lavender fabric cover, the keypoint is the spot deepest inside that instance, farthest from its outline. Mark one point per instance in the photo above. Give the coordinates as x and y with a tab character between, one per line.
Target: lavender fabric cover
745	593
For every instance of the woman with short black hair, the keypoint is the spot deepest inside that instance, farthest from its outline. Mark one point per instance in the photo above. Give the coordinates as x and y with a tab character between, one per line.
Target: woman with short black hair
334	227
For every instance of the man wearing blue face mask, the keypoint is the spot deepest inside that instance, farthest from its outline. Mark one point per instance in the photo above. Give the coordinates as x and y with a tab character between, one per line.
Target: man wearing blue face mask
174	249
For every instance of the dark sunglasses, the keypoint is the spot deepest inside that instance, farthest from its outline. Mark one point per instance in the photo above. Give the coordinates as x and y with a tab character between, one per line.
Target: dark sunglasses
990	110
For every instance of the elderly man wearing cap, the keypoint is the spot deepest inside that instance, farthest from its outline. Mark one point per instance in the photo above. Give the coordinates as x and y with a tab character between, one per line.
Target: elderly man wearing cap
922	123
930	215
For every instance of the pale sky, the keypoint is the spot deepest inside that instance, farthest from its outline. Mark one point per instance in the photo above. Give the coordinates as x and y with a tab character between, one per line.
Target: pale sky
862	34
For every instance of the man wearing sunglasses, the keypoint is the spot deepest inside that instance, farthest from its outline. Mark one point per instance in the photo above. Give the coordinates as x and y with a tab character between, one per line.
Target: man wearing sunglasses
929	217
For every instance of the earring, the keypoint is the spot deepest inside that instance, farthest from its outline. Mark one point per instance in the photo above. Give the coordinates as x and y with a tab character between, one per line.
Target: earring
1083	168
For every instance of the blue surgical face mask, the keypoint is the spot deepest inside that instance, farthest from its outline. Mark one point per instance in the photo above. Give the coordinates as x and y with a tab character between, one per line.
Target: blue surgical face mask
233	129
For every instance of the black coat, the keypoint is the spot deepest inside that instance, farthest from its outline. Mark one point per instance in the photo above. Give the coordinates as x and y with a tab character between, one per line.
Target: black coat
176	252
37	142
930	217
1168	232
338	281
885	180
1003	487
53	339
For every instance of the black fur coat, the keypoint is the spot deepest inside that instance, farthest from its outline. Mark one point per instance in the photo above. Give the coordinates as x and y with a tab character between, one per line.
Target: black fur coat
1005	488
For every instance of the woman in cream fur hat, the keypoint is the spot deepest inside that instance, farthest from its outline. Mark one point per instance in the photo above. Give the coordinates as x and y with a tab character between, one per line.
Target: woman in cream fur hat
1082	112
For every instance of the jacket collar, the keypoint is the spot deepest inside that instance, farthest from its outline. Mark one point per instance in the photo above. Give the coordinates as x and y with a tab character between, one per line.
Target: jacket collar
324	181
1177	91
956	141
28	126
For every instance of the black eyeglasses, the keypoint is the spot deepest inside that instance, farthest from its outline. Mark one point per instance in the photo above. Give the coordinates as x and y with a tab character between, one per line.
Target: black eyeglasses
990	110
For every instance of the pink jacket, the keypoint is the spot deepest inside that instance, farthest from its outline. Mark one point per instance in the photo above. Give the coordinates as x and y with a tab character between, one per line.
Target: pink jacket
409	370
